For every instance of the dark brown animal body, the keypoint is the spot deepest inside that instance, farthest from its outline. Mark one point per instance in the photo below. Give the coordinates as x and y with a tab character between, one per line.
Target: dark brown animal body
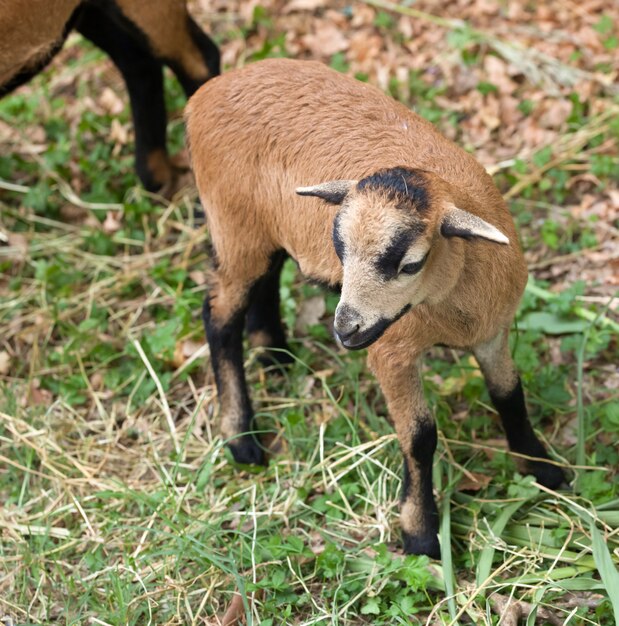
139	35
409	227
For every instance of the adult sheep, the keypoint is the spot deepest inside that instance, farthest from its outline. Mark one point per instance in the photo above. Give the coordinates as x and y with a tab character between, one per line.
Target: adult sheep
140	36
409	227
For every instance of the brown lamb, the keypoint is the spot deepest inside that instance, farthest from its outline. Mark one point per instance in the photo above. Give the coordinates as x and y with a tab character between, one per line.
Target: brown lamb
405	224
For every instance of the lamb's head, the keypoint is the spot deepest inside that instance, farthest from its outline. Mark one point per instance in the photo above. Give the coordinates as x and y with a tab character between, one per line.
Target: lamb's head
392	236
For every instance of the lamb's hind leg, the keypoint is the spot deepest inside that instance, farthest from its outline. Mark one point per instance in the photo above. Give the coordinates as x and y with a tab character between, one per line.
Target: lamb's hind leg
224	319
264	323
507	396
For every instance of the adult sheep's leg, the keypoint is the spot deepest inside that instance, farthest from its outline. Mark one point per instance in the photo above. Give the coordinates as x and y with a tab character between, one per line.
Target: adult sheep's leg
264	323
176	39
224	313
143	75
400	381
507	396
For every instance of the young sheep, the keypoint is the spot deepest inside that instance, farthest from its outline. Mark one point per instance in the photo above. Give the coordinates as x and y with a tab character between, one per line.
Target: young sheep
409	227
139	35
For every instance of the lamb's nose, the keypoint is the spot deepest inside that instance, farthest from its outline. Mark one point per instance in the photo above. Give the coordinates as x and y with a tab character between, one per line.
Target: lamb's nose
346	333
347	322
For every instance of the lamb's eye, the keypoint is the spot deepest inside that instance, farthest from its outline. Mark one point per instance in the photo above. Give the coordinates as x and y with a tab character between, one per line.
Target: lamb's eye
413	268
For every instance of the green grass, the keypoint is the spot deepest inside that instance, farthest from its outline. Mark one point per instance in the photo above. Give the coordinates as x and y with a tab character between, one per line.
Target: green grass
121	504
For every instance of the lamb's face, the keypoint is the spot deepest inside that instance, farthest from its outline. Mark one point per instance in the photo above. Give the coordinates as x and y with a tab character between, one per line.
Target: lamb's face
385	234
384	246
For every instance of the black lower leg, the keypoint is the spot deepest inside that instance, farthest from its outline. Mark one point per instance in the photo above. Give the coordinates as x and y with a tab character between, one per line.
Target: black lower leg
418	505
237	418
521	438
264	323
143	75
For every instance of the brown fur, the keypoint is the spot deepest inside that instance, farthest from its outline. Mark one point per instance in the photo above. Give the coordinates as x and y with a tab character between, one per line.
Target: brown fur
167	32
30	29
258	133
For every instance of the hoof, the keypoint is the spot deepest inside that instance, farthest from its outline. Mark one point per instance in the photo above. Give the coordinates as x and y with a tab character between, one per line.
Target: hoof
426	544
246	450
551	476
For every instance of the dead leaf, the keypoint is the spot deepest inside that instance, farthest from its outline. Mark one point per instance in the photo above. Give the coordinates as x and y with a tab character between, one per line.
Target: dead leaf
235	612
232	52
37	395
96	381
5	363
110	102
497	74
310	312
119	133
111	223
613	194
364	48
474	481
18	247
317	543
198	277
303	5
362	15
555	114
74	214
184	350
325	41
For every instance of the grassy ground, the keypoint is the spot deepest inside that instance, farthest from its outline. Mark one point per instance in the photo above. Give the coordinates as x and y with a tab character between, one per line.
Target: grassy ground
120	502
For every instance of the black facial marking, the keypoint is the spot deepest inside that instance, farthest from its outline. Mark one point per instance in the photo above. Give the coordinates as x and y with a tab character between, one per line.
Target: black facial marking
369	336
521	438
388	262
403	185
338	242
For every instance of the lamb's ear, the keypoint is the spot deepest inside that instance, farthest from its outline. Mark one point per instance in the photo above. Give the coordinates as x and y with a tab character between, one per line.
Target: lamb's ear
333	191
459	223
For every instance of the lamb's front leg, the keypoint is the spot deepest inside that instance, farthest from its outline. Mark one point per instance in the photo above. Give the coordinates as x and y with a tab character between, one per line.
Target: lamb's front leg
507	396
400	381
